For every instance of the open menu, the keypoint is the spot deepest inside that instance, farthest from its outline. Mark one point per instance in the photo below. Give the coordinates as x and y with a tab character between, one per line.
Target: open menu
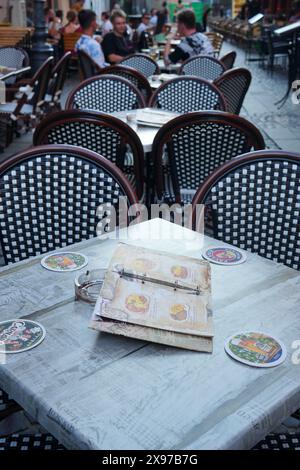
153	117
155	296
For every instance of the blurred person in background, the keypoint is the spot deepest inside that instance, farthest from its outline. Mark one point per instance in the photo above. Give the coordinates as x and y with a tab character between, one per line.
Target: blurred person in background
117	44
106	23
87	43
72	25
194	43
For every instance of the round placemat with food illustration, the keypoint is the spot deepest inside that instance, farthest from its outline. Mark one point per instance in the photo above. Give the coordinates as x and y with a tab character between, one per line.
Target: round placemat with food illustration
224	256
20	335
256	349
64	262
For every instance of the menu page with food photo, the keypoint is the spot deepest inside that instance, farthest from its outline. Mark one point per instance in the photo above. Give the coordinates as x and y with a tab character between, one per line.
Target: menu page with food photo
158	290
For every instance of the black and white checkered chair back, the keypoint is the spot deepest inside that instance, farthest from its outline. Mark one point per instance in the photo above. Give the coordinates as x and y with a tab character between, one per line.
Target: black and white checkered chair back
188	94
53	196
234	85
106	93
102	134
142	63
205	67
195	145
135	77
13	57
256	204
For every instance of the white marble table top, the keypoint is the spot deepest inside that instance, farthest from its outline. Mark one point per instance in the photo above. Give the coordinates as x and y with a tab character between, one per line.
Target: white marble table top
98	391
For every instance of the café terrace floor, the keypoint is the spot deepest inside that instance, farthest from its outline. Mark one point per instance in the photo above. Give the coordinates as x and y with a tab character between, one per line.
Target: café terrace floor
281	130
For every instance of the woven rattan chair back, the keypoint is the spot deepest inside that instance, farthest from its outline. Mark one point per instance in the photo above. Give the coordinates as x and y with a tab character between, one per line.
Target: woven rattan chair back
234	85
105	93
142	63
104	134
188	148
134	76
203	66
255	203
54	196
188	94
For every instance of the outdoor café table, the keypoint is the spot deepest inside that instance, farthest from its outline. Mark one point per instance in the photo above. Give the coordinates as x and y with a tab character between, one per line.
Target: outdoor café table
98	391
145	133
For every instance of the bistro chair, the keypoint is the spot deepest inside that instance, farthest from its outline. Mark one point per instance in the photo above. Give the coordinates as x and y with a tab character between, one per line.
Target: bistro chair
14	57
217	41
55	195
255	204
88	67
187	149
30	442
228	60
105	93
234	85
188	94
203	66
142	63
101	133
134	76
30	99
57	81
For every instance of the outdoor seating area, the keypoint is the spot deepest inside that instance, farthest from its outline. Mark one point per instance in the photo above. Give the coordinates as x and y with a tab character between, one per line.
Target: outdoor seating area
157	176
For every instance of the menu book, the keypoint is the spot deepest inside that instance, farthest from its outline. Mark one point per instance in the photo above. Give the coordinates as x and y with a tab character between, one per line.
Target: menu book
158	297
154	117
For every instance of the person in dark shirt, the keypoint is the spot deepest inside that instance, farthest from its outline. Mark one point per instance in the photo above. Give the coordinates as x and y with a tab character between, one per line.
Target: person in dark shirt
117	44
194	43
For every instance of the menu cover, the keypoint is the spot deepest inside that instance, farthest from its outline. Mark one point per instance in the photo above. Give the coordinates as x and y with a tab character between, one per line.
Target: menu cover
153	117
156	296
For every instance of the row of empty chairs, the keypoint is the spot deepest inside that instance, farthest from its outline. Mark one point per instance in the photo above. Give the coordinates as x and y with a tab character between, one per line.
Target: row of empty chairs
185	150
254	199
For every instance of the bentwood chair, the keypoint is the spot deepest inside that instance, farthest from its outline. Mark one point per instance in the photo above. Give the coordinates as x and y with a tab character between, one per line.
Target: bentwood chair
14	57
202	66
234	85
57	81
187	149
55	195
88	67
29	105
105	93
228	59
142	63
188	94
134	76
217	41
101	133
255	204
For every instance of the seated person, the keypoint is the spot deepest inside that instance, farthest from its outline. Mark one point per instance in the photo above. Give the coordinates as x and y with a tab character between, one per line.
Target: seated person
194	43
106	23
153	19
117	44
72	26
86	42
144	25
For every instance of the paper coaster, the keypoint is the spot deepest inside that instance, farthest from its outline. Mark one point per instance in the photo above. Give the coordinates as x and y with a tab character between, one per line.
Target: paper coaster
20	335
256	349
224	256
64	261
